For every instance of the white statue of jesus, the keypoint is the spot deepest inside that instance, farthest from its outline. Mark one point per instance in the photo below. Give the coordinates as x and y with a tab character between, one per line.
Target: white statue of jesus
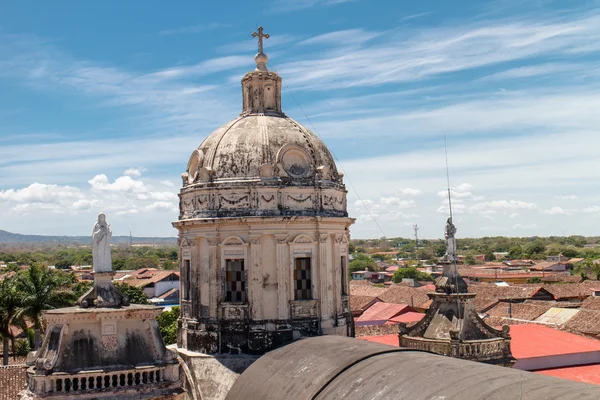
101	245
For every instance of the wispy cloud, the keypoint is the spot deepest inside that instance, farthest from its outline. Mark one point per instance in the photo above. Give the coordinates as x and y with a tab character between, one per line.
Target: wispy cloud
292	5
403	57
193	29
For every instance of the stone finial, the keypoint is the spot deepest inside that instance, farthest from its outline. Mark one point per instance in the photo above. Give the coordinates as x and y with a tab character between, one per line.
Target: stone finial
261	58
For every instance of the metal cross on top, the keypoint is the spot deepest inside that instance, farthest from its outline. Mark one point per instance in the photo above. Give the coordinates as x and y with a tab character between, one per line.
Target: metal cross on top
260	35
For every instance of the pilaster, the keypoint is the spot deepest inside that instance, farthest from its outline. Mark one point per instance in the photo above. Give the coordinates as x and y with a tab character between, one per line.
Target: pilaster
283	273
255	290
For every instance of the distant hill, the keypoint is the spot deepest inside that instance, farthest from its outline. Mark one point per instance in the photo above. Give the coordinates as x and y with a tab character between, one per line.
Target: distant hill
9	237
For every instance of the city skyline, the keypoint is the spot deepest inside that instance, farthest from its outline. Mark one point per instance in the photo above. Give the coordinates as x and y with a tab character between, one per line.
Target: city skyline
101	109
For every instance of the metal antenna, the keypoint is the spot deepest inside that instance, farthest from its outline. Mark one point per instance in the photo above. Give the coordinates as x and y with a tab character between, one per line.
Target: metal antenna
416	229
448	177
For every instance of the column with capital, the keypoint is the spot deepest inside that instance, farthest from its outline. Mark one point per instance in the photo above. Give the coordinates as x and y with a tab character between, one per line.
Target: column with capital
283	277
324	281
215	276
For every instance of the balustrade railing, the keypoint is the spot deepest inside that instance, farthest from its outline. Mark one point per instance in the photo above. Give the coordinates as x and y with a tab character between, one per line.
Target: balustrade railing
93	381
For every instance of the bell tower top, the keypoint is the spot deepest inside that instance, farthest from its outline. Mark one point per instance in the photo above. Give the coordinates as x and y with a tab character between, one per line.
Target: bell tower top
261	88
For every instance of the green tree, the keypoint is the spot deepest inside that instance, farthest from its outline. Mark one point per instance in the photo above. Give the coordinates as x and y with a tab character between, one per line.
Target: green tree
362	262
535	247
411	273
10	303
595	270
515	252
470	259
535	279
169	265
63	263
135	294
173	255
167	323
43	289
489	255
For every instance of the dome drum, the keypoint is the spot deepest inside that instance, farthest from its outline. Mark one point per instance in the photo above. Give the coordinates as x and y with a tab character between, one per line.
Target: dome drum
263	201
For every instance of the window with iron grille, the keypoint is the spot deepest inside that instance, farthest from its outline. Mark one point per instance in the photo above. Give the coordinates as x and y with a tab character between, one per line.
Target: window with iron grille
235	281
302	279
187	277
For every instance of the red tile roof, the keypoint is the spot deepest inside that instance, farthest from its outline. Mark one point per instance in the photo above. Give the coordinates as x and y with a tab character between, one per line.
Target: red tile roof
391	339
360	303
406	318
584	373
382	312
531	340
12	381
365	288
398	294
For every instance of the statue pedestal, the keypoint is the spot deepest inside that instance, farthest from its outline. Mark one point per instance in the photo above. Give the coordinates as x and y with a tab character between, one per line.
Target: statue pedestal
103	293
101	354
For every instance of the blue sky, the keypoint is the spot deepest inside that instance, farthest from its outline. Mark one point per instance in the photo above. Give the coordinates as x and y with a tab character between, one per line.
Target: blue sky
101	104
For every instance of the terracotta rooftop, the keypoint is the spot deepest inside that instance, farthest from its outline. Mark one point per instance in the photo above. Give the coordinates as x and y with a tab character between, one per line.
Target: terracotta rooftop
532	340
584	373
571	290
147	278
380	313
405	295
12	381
407	317
488	295
365	288
519	310
586	322
359	303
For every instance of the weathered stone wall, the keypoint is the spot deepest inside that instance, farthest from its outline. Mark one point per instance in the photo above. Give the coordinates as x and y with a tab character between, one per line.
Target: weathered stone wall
374	330
212	376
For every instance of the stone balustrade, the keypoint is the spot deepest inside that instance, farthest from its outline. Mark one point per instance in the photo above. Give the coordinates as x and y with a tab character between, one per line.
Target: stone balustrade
472	349
89	381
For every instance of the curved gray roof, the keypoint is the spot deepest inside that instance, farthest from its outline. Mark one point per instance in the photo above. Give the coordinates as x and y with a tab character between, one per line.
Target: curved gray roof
239	148
332	367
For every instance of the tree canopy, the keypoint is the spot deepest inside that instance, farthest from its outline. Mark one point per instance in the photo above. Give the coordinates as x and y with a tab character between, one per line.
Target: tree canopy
411	273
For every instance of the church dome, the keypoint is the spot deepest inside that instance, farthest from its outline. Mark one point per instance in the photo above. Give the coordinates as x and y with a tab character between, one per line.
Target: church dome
257	145
262	143
262	163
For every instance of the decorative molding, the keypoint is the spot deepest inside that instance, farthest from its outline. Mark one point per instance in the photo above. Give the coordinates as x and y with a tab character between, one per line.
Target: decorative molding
267	200
323	237
281	238
302	238
339	238
233	241
300	199
212	241
235	199
255	239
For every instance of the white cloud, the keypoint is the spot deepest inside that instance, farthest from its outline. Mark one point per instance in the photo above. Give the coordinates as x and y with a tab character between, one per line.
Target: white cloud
391	200
134	171
525	227
161	206
121	184
566	197
167	183
41	193
592	209
558	211
410	192
503	205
